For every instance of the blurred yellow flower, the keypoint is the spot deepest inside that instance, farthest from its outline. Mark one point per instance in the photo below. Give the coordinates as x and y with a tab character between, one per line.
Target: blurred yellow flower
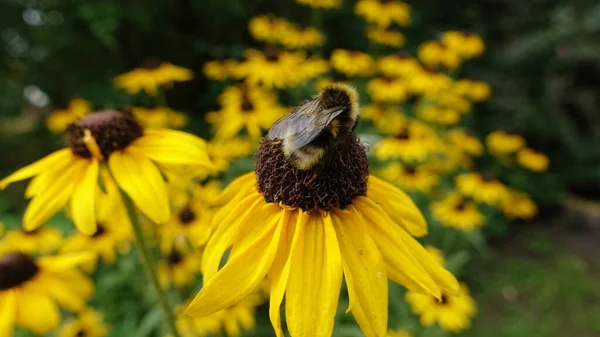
152	77
434	114
383	12
59	120
352	63
477	91
467	45
452	313
40	241
429	82
386	118
244	108
179	268
437	255
219	70
458	212
414	142
409	178
481	188
518	205
387	89
398	333
533	160
321	3
386	36
31	291
449	99
190	225
434	53
266	28
88	324
223	152
159	117
502	143
468	143
398	65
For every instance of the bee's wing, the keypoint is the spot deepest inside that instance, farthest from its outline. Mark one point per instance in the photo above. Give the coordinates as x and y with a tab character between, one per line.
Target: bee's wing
303	125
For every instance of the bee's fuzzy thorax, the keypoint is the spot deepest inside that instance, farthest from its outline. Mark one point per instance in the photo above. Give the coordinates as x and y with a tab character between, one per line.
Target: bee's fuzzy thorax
341	176
348	92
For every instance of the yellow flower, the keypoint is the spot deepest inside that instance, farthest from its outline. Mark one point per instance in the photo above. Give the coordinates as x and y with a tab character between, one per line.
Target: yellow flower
59	120
387	37
253	109
434	53
452	313
447	98
386	119
232	320
88	324
434	114
398	65
519	205
321	3
31	291
178	268
467	45
295	36
455	211
223	152
466	142
398	333
305	237
437	255
383	12
159	117
266	28
429	82
414	142
71	174
43	240
533	160
207	193
409	178
219	70
481	188
352	63
152	77
386	89
189	225
478	91
502	143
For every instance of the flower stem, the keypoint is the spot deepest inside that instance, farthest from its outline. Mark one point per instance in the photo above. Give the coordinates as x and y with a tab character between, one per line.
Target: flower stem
149	266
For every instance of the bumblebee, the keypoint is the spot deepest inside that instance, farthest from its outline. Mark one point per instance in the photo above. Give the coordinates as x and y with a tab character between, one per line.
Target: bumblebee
316	126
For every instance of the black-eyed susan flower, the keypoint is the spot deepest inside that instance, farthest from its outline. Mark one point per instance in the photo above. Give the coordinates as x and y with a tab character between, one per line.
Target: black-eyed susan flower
478	91
412	178
398	333
503	143
388	89
443	95
40	241
436	254
415	141
159	117
179	268
482	188
189	225
518	205
306	229
434	53
383	12
468	143
457	212
223	152
452	314
32	290
89	323
352	63
467	45
386	36
70	176
386	118
266	28
398	65
325	4
219	70
429	82
439	115
533	160
59	120
152	76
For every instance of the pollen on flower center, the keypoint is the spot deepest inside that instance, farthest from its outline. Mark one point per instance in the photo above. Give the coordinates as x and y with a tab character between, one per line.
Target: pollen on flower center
110	130
15	269
340	178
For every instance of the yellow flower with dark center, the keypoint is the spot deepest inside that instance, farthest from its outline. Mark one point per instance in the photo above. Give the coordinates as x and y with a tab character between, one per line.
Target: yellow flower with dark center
207	193
219	70
387	119
59	120
189	225
31	291
414	142
252	109
447	98
274	30
152	77
159	117
437	255
179	268
266	28
386	36
429	82
533	160
452	314
409	178
466	142
302	37
387	89
352	63
481	188
398	65
478	91
518	205
306	229
321	3
458	212
435	114
502	143
383	12
467	45
223	152
40	241
89	324
434	53
398	333
133	156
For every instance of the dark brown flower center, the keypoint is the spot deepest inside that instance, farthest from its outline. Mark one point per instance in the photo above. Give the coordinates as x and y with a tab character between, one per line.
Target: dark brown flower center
334	183
247	105
81	333
151	63
271	54
443	300
410	170
186	215
461	205
100	230
32	233
111	130
174	258
16	269
403	134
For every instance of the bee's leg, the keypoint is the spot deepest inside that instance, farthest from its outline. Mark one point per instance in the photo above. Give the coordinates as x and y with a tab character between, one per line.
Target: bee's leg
314	176
276	142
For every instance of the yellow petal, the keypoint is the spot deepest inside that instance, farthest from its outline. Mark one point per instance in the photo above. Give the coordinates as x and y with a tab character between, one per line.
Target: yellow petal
242	273
83	208
42	165
54	197
398	206
402	267
315	278
62	292
64	261
246	182
8	312
365	274
37	312
142	181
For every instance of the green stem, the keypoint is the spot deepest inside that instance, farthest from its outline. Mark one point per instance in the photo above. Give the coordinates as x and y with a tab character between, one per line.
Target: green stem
149	266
